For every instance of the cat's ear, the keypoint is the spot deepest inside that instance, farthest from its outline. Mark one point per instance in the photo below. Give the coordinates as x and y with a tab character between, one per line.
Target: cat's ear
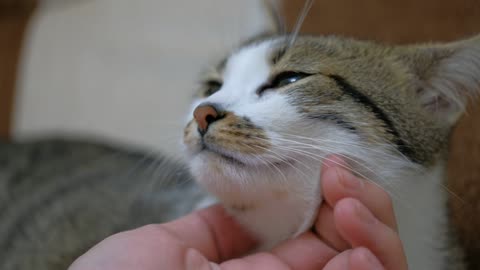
277	25
448	76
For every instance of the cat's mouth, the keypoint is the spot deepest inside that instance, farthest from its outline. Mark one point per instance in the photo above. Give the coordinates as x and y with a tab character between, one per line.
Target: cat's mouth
235	161
229	158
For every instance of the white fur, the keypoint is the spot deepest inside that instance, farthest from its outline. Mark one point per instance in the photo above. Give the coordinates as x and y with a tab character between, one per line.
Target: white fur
421	214
304	144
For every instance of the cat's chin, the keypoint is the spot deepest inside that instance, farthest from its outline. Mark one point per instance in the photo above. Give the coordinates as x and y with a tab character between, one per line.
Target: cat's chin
223	174
259	196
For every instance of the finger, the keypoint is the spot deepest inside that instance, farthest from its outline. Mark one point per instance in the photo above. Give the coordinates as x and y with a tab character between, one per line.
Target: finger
361	228
147	241
338	183
194	260
326	230
363	259
356	259
213	233
306	252
340	262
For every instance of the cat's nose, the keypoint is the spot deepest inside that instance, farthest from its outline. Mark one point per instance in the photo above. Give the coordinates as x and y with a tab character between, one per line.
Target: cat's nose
205	115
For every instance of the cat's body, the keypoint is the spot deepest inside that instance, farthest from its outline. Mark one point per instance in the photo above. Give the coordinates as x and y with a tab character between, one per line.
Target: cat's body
272	112
58	198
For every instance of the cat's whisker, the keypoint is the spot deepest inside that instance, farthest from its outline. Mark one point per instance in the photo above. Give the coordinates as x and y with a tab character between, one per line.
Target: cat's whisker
278	170
140	163
315	157
312	155
267	164
332	151
319	158
298	25
358	145
286	161
285	157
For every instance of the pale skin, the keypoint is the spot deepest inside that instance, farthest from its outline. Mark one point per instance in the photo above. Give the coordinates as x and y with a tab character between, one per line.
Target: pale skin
355	230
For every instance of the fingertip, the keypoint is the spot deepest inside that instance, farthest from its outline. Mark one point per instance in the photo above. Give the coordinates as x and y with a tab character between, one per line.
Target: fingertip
330	185
337	182
345	209
304	252
333	161
352	220
325	229
363	259
354	210
196	261
329	179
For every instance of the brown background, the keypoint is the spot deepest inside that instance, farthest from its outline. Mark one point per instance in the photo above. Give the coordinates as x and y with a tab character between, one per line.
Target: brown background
14	15
409	21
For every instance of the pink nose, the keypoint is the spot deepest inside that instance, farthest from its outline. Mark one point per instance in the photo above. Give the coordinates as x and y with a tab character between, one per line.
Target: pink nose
205	115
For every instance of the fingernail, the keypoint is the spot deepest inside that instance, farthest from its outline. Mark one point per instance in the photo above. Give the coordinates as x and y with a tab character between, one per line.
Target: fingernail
348	180
214	266
364	214
368	259
195	261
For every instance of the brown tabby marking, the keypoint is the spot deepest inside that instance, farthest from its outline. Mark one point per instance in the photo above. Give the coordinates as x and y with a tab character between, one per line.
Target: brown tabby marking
393	89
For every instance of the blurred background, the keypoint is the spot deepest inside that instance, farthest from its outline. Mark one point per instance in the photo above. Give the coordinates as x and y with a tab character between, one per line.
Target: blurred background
120	69
125	70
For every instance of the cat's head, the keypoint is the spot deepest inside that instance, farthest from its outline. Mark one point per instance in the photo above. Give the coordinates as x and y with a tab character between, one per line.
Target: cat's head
270	112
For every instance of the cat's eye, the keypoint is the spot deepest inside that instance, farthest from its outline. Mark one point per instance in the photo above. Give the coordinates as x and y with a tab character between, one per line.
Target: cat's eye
286	78
283	79
211	87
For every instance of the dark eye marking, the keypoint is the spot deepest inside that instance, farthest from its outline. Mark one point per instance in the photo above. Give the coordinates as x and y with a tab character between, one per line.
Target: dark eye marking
283	79
211	87
335	118
359	97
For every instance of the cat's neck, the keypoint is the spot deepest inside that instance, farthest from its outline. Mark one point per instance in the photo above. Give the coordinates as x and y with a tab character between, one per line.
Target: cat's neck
281	212
422	218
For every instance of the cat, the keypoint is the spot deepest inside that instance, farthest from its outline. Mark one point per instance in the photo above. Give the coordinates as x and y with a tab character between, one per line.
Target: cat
270	112
59	197
264	120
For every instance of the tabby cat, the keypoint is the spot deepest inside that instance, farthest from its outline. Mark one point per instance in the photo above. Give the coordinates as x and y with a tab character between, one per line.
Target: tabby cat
266	118
274	109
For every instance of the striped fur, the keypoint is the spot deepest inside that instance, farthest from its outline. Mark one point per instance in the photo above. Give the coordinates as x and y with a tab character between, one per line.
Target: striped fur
60	197
388	110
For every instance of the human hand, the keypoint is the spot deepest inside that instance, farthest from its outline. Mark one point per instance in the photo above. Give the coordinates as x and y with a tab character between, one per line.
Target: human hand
357	220
348	236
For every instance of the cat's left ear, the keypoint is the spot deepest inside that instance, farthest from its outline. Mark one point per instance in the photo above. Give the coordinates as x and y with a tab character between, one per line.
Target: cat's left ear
448	76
